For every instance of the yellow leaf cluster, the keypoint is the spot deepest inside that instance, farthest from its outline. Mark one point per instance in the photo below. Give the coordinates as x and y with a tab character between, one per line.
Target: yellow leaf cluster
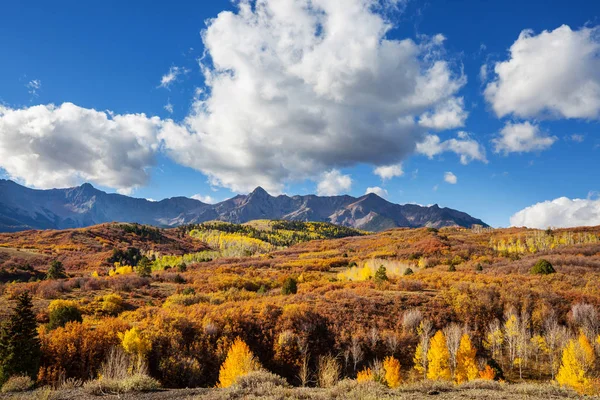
420	359
135	343
239	362
120	270
391	366
56	304
466	365
438	358
488	374
577	359
366	375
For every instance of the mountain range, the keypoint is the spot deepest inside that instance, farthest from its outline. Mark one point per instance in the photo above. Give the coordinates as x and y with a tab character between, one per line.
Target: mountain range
22	208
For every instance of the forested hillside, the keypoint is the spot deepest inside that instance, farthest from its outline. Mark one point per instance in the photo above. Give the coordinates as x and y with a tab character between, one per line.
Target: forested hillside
202	305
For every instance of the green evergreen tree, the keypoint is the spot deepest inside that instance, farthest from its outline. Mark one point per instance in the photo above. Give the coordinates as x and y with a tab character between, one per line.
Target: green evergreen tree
542	267
381	274
144	268
290	286
56	271
20	350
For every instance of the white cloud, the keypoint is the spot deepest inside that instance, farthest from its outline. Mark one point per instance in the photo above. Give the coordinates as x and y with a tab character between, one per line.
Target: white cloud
378	191
389	171
333	183
555	73
577	138
296	87
559	213
468	149
57	146
448	115
450	178
521	138
483	73
169	107
171	76
205	199
34	86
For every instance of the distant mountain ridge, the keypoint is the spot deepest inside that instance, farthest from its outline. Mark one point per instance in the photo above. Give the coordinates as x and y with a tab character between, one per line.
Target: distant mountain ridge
22	208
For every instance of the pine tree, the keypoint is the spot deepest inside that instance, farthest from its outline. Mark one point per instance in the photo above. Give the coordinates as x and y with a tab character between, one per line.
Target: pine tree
56	271
466	365
19	343
391	366
144	267
239	362
438	358
381	274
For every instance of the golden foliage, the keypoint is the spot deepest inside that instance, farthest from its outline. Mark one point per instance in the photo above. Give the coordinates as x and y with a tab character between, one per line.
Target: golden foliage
391	366
366	375
56	304
466	365
239	362
488	374
572	371
120	270
420	360
438	358
135	343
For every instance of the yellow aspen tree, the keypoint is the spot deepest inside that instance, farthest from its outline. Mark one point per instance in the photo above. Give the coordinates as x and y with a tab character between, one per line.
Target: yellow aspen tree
466	365
420	360
391	366
137	346
571	372
438	358
586	353
239	362
511	335
494	339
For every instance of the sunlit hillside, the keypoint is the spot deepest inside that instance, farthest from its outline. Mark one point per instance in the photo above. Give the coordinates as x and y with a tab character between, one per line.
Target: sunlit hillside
355	304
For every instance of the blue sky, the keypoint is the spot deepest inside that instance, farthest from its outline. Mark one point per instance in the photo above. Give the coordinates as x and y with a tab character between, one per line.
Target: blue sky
112	57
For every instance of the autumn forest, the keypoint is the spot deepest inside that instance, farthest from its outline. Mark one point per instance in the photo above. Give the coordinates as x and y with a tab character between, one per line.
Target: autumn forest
125	308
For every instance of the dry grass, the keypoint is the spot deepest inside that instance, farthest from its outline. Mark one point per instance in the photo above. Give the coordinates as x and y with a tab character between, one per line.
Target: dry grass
17	384
266	386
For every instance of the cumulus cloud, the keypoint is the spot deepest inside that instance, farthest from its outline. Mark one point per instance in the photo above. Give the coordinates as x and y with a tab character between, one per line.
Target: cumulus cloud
555	73
169	107
333	183
378	191
171	76
205	199
448	115
49	146
464	146
297	87
450	178
521	138
386	172
559	213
